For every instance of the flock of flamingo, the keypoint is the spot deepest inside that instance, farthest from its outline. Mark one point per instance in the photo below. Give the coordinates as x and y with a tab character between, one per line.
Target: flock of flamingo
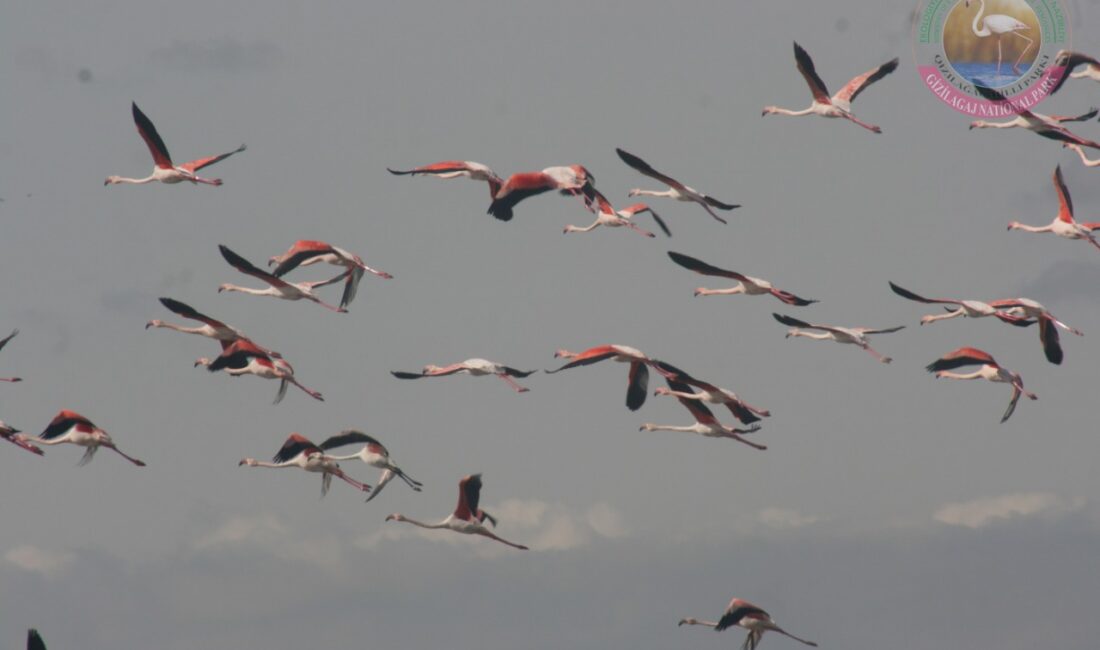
239	354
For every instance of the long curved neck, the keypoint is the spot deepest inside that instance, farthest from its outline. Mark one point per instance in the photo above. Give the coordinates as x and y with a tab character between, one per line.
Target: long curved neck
812	335
666	193
259	463
786	111
720	292
1027	228
669	427
977	374
269	291
442	524
133	181
348	457
693	621
180	328
984	31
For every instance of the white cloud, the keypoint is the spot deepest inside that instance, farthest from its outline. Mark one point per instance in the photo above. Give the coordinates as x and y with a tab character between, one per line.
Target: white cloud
241	529
982	512
537	524
38	560
269	533
785	518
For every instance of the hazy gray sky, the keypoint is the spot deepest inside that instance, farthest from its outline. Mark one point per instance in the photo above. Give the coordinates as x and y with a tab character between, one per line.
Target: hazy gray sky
890	510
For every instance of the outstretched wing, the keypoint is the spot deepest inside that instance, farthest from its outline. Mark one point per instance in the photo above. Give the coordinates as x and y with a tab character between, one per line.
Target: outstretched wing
1070	60
349	437
7	338
196	165
965	356
588	357
857	85
806	67
34	641
152	139
1048	336
294	445
699	266
187	311
909	295
643	167
246	267
1065	203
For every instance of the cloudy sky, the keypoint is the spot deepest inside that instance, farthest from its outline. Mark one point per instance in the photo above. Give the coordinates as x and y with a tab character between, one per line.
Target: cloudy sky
890	510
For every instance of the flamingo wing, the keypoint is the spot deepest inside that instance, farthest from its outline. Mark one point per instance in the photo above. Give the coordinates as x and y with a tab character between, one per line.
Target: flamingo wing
790	298
302	251
34	640
737	611
643	167
742	412
670	371
1090	226
196	165
699	266
295	444
794	322
715	203
637	385
699	411
588	357
407	375
1048	336
997	96
517	188
1070	60
246	267
7	338
1015	399
858	84
965	356
905	293
64	421
152	139
351	437
1065	203
888	330
469	495
806	67
638	208
1083	117
187	311
513	372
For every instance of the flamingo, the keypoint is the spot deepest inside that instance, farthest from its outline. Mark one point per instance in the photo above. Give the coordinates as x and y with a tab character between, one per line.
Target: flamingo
279	288
854	335
840	104
1071	60
568	180
607	216
163	169
243	357
3	342
710	394
637	378
467	518
454	169
676	189
705	422
744	614
989	369
474	367
1085	161
9	433
299	452
999	25
374	454
72	428
210	328
305	252
1063	224
34	641
747	285
1048	126
965	308
1048	324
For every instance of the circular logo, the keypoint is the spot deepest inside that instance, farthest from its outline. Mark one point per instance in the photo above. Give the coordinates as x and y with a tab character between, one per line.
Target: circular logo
1007	45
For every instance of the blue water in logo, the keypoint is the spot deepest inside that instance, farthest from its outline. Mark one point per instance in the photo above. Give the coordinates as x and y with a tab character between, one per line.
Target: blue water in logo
985	74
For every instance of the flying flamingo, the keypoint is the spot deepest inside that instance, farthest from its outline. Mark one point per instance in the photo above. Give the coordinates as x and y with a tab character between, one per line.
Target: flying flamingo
637	379
676	189
705	422
34	641
474	367
607	216
9	433
1048	126
3	342
243	357
989	370
710	394
840	104
1048	324
73	428
965	308
1070	60
374	454
1063	224
744	614
854	335
568	180
299	452
999	25
279	288
467	518
210	328
305	252
163	169
747	285
454	169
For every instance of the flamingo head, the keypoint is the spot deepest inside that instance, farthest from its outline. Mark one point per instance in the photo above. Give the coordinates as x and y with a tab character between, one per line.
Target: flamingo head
794	331
112	180
662	391
251	462
202	361
1013	225
647	427
768	110
224	287
397	516
634	192
564	354
701	291
154	323
7	429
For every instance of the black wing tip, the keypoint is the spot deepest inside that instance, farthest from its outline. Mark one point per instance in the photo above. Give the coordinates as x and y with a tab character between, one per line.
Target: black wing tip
502	213
398	172
406	375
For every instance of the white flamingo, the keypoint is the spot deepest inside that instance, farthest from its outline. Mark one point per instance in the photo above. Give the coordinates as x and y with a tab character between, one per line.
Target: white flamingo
709	393
742	613
676	190
1048	126
989	370
278	288
473	367
1063	224
68	427
840	104
637	378
999	25
163	169
747	285
705	422
298	451
467	517
243	357
609	217
305	252
456	169
372	453
854	335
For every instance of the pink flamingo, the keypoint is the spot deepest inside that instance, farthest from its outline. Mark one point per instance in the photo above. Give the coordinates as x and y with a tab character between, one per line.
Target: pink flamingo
243	357
637	378
854	335
840	104
709	393
1070	60
467	517
68	427
1048	126
705	422
567	180
455	169
742	613
1063	224
299	452
305	252
278	288
474	367
989	369
609	217
372	453
163	169
747	285
965	308
676	190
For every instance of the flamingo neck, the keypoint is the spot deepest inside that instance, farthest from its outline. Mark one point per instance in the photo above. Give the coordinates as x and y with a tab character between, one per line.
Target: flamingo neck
984	31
